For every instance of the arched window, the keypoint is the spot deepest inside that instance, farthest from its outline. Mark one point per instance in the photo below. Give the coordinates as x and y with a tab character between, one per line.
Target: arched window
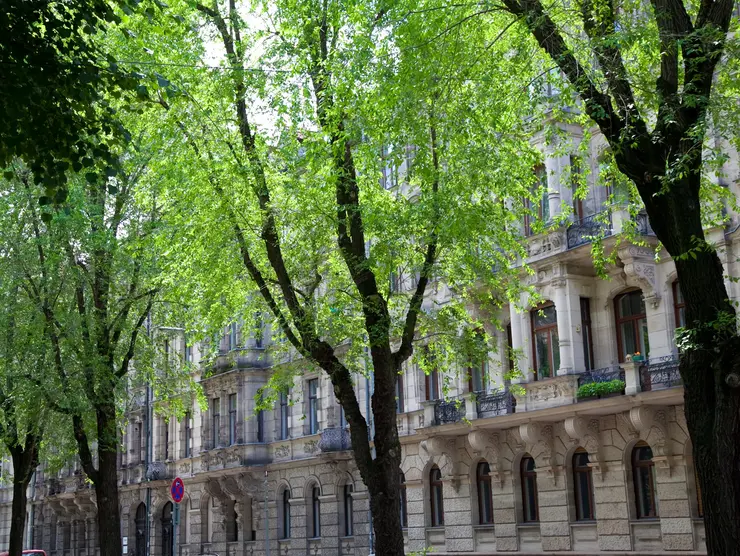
285	521
632	329
643	476
530	507
348	511
679	306
583	486
485	494
437	498
402	497
205	520
545	342
232	531
315	512
167	531
140	525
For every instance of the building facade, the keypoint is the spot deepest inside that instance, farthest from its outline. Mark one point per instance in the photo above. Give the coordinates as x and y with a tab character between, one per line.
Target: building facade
535	465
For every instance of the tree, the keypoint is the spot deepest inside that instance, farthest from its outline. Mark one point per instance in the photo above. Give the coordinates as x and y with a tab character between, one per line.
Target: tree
312	231
89	277
596	50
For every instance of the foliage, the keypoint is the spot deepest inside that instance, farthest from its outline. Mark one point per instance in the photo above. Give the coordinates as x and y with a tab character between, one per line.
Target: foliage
597	389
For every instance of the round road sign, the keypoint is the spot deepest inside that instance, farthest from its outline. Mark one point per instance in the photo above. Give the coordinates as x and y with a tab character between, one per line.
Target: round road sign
177	490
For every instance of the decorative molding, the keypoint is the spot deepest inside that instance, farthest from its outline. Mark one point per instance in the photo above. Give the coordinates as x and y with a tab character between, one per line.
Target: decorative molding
587	434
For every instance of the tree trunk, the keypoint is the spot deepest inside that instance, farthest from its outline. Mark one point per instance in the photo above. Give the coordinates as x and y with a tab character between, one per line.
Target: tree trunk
23	466
106	483
709	366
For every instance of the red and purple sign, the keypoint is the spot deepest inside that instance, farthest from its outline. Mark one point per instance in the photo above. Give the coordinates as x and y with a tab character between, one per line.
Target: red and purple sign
177	490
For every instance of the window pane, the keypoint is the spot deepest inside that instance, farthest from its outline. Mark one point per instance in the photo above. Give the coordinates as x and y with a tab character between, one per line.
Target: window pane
530	500
629	341
545	317
644	340
542	349
555	345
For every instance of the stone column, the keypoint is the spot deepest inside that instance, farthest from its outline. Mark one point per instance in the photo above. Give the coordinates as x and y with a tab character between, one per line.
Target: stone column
631	377
416	518
504	513
610	496
565	331
517	343
361	506
329	525
298	526
553	165
676	524
458	515
553	505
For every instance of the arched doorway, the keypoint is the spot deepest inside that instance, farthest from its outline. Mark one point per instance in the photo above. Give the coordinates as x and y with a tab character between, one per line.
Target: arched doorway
140	523
167	532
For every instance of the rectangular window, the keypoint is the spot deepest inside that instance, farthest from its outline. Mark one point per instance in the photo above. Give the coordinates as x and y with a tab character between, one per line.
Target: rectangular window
260	426
477	377
258	336
399	393
283	416
232	419
342	417
546	345
313	406
188	440
588	343
232	336
215	421
166	440
188	353
632	331
142	441
575	182
679	306
431	383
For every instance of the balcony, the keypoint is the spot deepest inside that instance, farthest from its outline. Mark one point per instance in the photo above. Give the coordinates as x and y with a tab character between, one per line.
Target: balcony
587	229
660	373
492	404
607	374
446	412
158	470
335	440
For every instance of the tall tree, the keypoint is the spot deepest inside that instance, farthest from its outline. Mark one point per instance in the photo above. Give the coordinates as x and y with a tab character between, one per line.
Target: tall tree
90	278
609	51
297	194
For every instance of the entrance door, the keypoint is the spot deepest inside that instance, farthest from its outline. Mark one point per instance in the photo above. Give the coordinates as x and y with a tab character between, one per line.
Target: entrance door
167	531
140	524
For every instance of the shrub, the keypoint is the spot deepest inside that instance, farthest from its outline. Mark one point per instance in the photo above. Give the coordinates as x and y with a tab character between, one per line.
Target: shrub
594	389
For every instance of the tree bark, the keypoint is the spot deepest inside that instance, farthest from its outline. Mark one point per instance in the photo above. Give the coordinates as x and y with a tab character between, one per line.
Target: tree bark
25	460
106	483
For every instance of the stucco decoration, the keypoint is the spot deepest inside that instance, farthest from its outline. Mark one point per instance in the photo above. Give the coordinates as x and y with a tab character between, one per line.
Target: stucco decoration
639	267
440	446
538	441
587	435
488	446
652	427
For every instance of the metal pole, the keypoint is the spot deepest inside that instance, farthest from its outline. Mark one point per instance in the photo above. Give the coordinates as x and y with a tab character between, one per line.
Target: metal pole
175	527
267	520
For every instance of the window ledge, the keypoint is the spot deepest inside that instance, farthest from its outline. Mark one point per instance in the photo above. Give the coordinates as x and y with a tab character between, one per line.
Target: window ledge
484	526
583	523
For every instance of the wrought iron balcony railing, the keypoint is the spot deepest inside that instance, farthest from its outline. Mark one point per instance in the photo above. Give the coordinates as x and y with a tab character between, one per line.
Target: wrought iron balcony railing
659	373
490	404
335	440
606	374
586	229
449	411
158	470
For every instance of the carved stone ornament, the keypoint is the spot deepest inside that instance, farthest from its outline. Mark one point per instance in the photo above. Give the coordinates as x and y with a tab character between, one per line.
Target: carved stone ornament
652	422
282	451
540	436
441	446
311	447
488	446
639	266
587	435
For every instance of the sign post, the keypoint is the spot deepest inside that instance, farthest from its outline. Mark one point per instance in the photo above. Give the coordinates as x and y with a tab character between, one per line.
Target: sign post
177	491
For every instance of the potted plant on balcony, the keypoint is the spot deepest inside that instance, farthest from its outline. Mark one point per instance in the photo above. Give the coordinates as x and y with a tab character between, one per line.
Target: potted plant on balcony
598	390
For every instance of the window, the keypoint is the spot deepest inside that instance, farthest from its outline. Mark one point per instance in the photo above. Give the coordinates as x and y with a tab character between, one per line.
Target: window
188	353
545	343
437	498
588	343
402	498
576	180
216	421
283	416
232	419
315	512
342	417
542	210
632	330
166	426
485	494
583	486
348	515
643	476
399	393
232	336
286	514
477	375
258	335
230	521
431	384
530	507
679	306
260	426
188	440
313	406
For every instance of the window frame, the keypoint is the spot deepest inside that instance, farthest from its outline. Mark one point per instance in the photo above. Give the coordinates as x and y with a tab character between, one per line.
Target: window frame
638	484
315	512
261	426
188	433
348	510
232	419
431	385
479	370
436	497
580	471
634	319
313	406
483	482
284	415
678	306
215	421
548	329
588	338
525	476
286	514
